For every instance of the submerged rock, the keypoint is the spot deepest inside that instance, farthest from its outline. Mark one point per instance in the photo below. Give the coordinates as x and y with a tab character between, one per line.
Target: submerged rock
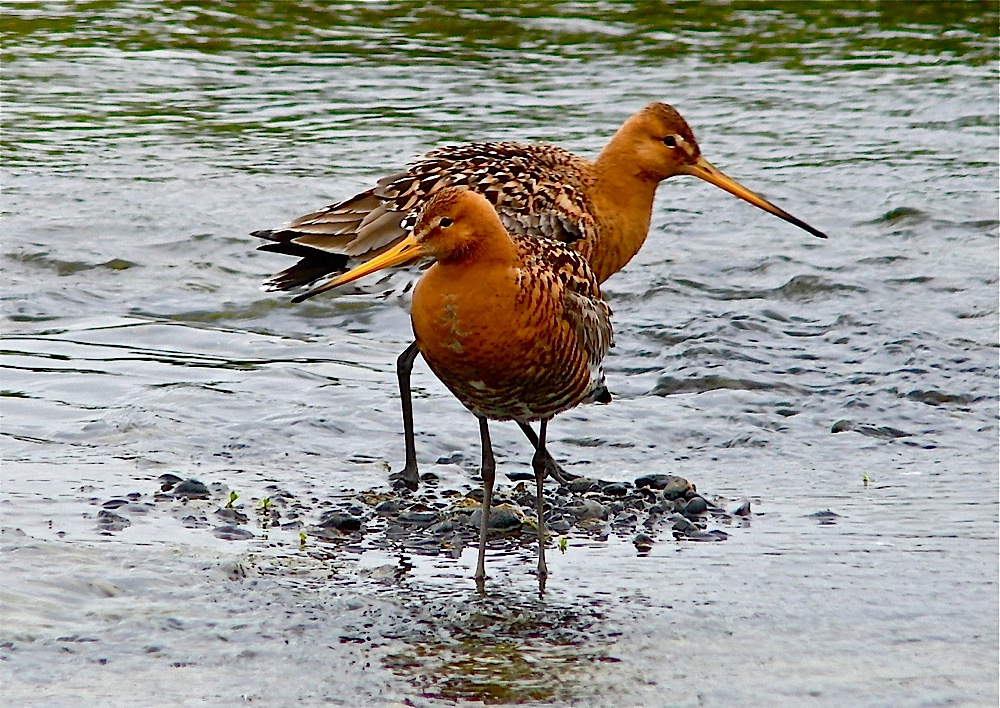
740	508
110	521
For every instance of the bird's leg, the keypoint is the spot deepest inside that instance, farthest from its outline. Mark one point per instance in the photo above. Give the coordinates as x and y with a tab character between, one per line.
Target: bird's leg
404	365
538	463
488	472
551	466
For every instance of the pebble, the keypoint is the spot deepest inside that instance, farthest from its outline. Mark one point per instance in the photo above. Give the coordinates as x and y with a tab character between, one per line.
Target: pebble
233	533
191	489
615	489
559	525
676	487
168	481
521	476
713	535
587	509
339	521
233	516
417	516
661	508
476	494
682	525
643	542
741	508
502	518
445	517
825	518
442	527
389	507
582	484
656	481
625	519
110	521
696	506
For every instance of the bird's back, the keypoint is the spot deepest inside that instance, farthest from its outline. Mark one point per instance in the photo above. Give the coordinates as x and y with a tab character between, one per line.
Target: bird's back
538	191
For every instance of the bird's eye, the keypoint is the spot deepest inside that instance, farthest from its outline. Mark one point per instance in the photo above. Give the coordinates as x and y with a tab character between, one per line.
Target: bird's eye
670	141
445	222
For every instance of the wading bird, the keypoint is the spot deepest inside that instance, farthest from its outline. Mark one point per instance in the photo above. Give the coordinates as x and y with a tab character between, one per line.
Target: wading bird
514	327
601	208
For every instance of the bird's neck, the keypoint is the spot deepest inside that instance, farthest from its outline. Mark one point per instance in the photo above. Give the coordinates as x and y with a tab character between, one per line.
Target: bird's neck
487	250
623	199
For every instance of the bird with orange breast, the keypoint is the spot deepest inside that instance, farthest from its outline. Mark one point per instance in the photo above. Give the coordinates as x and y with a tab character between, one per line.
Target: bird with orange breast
601	208
515	328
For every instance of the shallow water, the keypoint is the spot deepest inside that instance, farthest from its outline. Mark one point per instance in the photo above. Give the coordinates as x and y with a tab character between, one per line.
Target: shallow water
143	141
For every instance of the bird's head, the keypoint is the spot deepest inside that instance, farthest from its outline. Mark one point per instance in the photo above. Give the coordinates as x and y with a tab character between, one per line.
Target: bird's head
656	143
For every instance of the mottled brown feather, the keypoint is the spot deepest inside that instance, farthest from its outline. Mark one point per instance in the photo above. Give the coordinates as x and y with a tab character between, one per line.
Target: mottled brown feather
601	207
515	332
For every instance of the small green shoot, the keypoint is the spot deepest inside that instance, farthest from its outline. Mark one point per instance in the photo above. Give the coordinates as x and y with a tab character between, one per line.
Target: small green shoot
865	479
563	544
302	539
264	505
233	496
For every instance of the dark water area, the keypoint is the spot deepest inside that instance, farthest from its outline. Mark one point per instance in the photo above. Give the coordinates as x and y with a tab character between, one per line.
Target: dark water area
847	388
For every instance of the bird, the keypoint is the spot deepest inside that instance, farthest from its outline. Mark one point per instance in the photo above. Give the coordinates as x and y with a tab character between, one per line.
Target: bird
515	328
601	208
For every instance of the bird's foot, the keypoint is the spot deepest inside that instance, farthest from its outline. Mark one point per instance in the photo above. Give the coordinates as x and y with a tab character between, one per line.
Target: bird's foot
553	470
407	477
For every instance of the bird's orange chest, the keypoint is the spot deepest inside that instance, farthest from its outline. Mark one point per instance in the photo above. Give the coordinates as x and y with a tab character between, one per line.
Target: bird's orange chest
453	313
471	322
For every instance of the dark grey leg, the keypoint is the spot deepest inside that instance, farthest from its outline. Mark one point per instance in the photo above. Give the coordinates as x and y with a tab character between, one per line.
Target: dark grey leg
488	472
538	463
409	475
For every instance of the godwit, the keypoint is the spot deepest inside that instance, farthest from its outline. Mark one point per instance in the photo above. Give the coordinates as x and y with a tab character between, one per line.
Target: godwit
601	208
515	328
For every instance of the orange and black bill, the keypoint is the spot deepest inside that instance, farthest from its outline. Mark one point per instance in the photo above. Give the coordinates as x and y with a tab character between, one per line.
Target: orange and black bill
703	169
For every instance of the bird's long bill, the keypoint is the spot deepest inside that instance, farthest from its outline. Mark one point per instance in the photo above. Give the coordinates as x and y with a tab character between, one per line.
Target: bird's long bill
703	170
407	250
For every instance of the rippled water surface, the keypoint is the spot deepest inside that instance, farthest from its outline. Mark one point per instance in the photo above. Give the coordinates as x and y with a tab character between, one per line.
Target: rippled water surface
143	141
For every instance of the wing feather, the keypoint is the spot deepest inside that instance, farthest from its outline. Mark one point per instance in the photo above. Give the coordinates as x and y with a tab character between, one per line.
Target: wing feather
537	189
